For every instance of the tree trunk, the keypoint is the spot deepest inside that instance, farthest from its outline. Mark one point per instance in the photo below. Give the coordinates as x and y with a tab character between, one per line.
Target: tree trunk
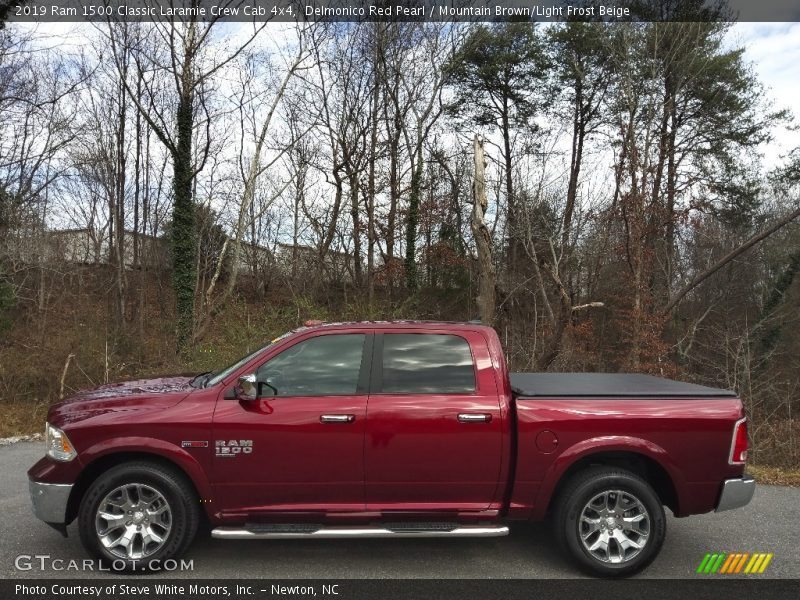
511	217
413	221
330	231
119	205
136	192
298	201
394	195
146	252
354	215
373	146
183	221
578	136
483	239
671	184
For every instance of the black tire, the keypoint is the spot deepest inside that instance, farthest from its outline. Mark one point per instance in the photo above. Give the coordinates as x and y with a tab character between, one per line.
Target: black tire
587	485
173	486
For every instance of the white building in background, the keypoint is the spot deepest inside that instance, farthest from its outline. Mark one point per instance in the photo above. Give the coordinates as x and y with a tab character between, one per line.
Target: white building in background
87	246
84	246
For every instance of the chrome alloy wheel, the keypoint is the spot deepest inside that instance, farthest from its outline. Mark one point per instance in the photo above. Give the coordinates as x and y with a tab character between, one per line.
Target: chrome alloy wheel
133	521
614	526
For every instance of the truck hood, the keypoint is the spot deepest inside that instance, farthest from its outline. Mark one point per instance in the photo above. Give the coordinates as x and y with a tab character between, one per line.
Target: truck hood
162	392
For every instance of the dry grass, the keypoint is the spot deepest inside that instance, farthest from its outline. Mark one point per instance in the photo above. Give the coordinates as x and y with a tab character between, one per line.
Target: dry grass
775	475
20	418
776	443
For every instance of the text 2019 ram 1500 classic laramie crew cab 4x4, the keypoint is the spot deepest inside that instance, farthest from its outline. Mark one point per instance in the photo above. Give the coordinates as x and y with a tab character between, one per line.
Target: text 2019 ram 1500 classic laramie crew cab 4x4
389	430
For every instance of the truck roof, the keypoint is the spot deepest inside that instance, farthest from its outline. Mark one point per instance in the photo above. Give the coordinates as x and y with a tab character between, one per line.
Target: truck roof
399	324
605	385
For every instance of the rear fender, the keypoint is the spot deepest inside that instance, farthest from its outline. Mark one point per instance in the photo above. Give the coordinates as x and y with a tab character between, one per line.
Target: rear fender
586	448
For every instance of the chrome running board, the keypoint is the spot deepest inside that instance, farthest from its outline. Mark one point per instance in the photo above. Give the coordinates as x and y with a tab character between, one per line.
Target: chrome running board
319	532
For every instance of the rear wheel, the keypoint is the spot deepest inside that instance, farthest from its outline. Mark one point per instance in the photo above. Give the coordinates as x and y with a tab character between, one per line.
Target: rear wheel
138	515
610	521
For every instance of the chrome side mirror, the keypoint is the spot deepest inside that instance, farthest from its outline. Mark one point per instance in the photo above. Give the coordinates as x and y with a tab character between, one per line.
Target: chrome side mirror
246	388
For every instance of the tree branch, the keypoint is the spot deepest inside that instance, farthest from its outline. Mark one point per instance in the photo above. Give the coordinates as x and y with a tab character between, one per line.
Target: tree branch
701	277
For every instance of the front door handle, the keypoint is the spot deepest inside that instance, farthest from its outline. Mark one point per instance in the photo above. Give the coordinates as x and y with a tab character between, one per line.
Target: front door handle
337	418
474	418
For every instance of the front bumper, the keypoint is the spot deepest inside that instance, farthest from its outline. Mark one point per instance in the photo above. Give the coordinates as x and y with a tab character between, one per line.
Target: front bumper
50	501
736	493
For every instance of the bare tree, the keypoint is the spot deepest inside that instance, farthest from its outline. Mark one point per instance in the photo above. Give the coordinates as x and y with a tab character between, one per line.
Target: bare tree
183	55
255	167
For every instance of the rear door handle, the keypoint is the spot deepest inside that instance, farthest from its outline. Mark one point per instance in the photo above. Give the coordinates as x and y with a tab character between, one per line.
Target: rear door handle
337	418
474	418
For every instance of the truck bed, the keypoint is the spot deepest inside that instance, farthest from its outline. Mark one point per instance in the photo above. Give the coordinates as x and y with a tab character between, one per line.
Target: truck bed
608	385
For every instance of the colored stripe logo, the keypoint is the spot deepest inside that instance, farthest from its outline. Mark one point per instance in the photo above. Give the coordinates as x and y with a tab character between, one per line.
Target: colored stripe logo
734	563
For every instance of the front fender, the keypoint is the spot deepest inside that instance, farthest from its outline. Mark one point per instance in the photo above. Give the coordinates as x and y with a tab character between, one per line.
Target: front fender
143	445
596	445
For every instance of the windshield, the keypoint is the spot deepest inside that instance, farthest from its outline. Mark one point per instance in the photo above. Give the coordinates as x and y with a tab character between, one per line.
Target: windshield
216	378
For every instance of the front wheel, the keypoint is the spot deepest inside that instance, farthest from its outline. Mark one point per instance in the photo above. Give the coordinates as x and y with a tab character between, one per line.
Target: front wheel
610	521
137	515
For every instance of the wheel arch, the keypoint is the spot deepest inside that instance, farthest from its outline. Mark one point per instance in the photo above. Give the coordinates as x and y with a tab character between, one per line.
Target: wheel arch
104	462
644	458
644	466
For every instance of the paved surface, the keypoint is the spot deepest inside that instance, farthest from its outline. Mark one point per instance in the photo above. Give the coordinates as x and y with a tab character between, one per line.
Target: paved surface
769	524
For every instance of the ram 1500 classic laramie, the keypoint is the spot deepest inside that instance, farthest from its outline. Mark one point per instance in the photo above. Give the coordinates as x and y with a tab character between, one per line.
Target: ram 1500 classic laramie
403	429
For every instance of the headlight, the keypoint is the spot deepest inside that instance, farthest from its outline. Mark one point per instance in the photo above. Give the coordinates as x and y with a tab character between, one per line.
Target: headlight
58	445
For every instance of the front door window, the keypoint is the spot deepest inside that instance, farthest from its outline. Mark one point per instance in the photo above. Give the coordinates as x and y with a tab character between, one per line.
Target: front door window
327	365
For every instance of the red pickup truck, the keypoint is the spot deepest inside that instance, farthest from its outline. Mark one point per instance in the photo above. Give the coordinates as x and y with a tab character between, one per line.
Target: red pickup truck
382	429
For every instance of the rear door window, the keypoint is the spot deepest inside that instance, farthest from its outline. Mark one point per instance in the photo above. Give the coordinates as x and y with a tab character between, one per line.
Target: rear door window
415	363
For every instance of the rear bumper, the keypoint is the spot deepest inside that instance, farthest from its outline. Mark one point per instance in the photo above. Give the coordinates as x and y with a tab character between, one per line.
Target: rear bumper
736	493
50	500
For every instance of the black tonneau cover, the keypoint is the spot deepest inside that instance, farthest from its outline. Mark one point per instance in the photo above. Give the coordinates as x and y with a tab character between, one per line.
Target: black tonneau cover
605	385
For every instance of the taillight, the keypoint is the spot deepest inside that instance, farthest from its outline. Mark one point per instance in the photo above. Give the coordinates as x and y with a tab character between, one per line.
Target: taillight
739	443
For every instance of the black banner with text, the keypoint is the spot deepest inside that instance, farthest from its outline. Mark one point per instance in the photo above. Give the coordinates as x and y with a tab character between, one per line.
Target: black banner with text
347	589
403	10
